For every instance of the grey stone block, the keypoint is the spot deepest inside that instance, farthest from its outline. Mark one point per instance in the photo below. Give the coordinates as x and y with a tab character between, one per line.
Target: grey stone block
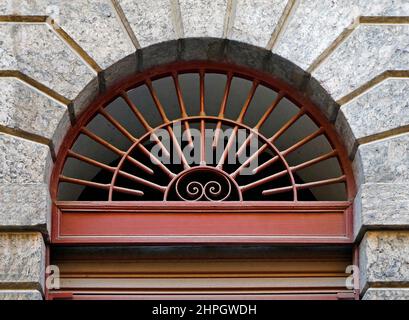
20	295
255	21
386	294
382	109
25	206
368	52
383	161
384	259
40	54
310	32
151	21
23	161
22	261
23	108
203	18
381	206
92	24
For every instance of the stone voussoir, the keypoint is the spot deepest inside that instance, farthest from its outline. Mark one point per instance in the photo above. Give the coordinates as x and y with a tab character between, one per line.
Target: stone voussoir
255	21
203	18
383	109
25	207
387	294
22	261
384	259
23	161
24	109
383	161
40	54
310	32
20	295
381	206
383	48
151	21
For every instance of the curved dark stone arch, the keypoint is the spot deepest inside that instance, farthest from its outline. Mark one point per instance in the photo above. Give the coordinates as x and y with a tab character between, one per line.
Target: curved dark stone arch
215	50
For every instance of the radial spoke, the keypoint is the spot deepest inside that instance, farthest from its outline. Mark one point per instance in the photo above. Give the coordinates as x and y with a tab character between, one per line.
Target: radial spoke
284	172
263	180
245	144
202	122
102	186
296	146
222	109
90	161
156	100
139	165
306	185
117	125
270	109
109	146
156	139
246	105
142	181
166	121
321	183
179	95
178	148
144	123
102	142
156	161
260	123
285	127
84	183
136	111
265	165
202	143
248	161
202	93
128	191
239	120
277	190
226	150
314	161
304	141
182	107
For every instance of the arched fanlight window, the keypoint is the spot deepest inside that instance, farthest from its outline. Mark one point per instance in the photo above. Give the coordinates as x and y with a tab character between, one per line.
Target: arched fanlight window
202	132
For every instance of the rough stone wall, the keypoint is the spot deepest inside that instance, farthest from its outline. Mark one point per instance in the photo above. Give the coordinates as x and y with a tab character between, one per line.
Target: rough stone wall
56	56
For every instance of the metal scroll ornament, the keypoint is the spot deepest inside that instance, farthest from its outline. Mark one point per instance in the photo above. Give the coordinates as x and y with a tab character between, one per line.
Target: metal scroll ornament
203	185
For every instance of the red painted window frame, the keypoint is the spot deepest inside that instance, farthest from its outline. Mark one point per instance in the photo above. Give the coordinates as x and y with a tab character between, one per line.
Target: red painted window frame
179	222
240	222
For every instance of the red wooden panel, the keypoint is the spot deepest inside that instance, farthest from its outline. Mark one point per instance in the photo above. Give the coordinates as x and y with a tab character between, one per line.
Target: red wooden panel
125	223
